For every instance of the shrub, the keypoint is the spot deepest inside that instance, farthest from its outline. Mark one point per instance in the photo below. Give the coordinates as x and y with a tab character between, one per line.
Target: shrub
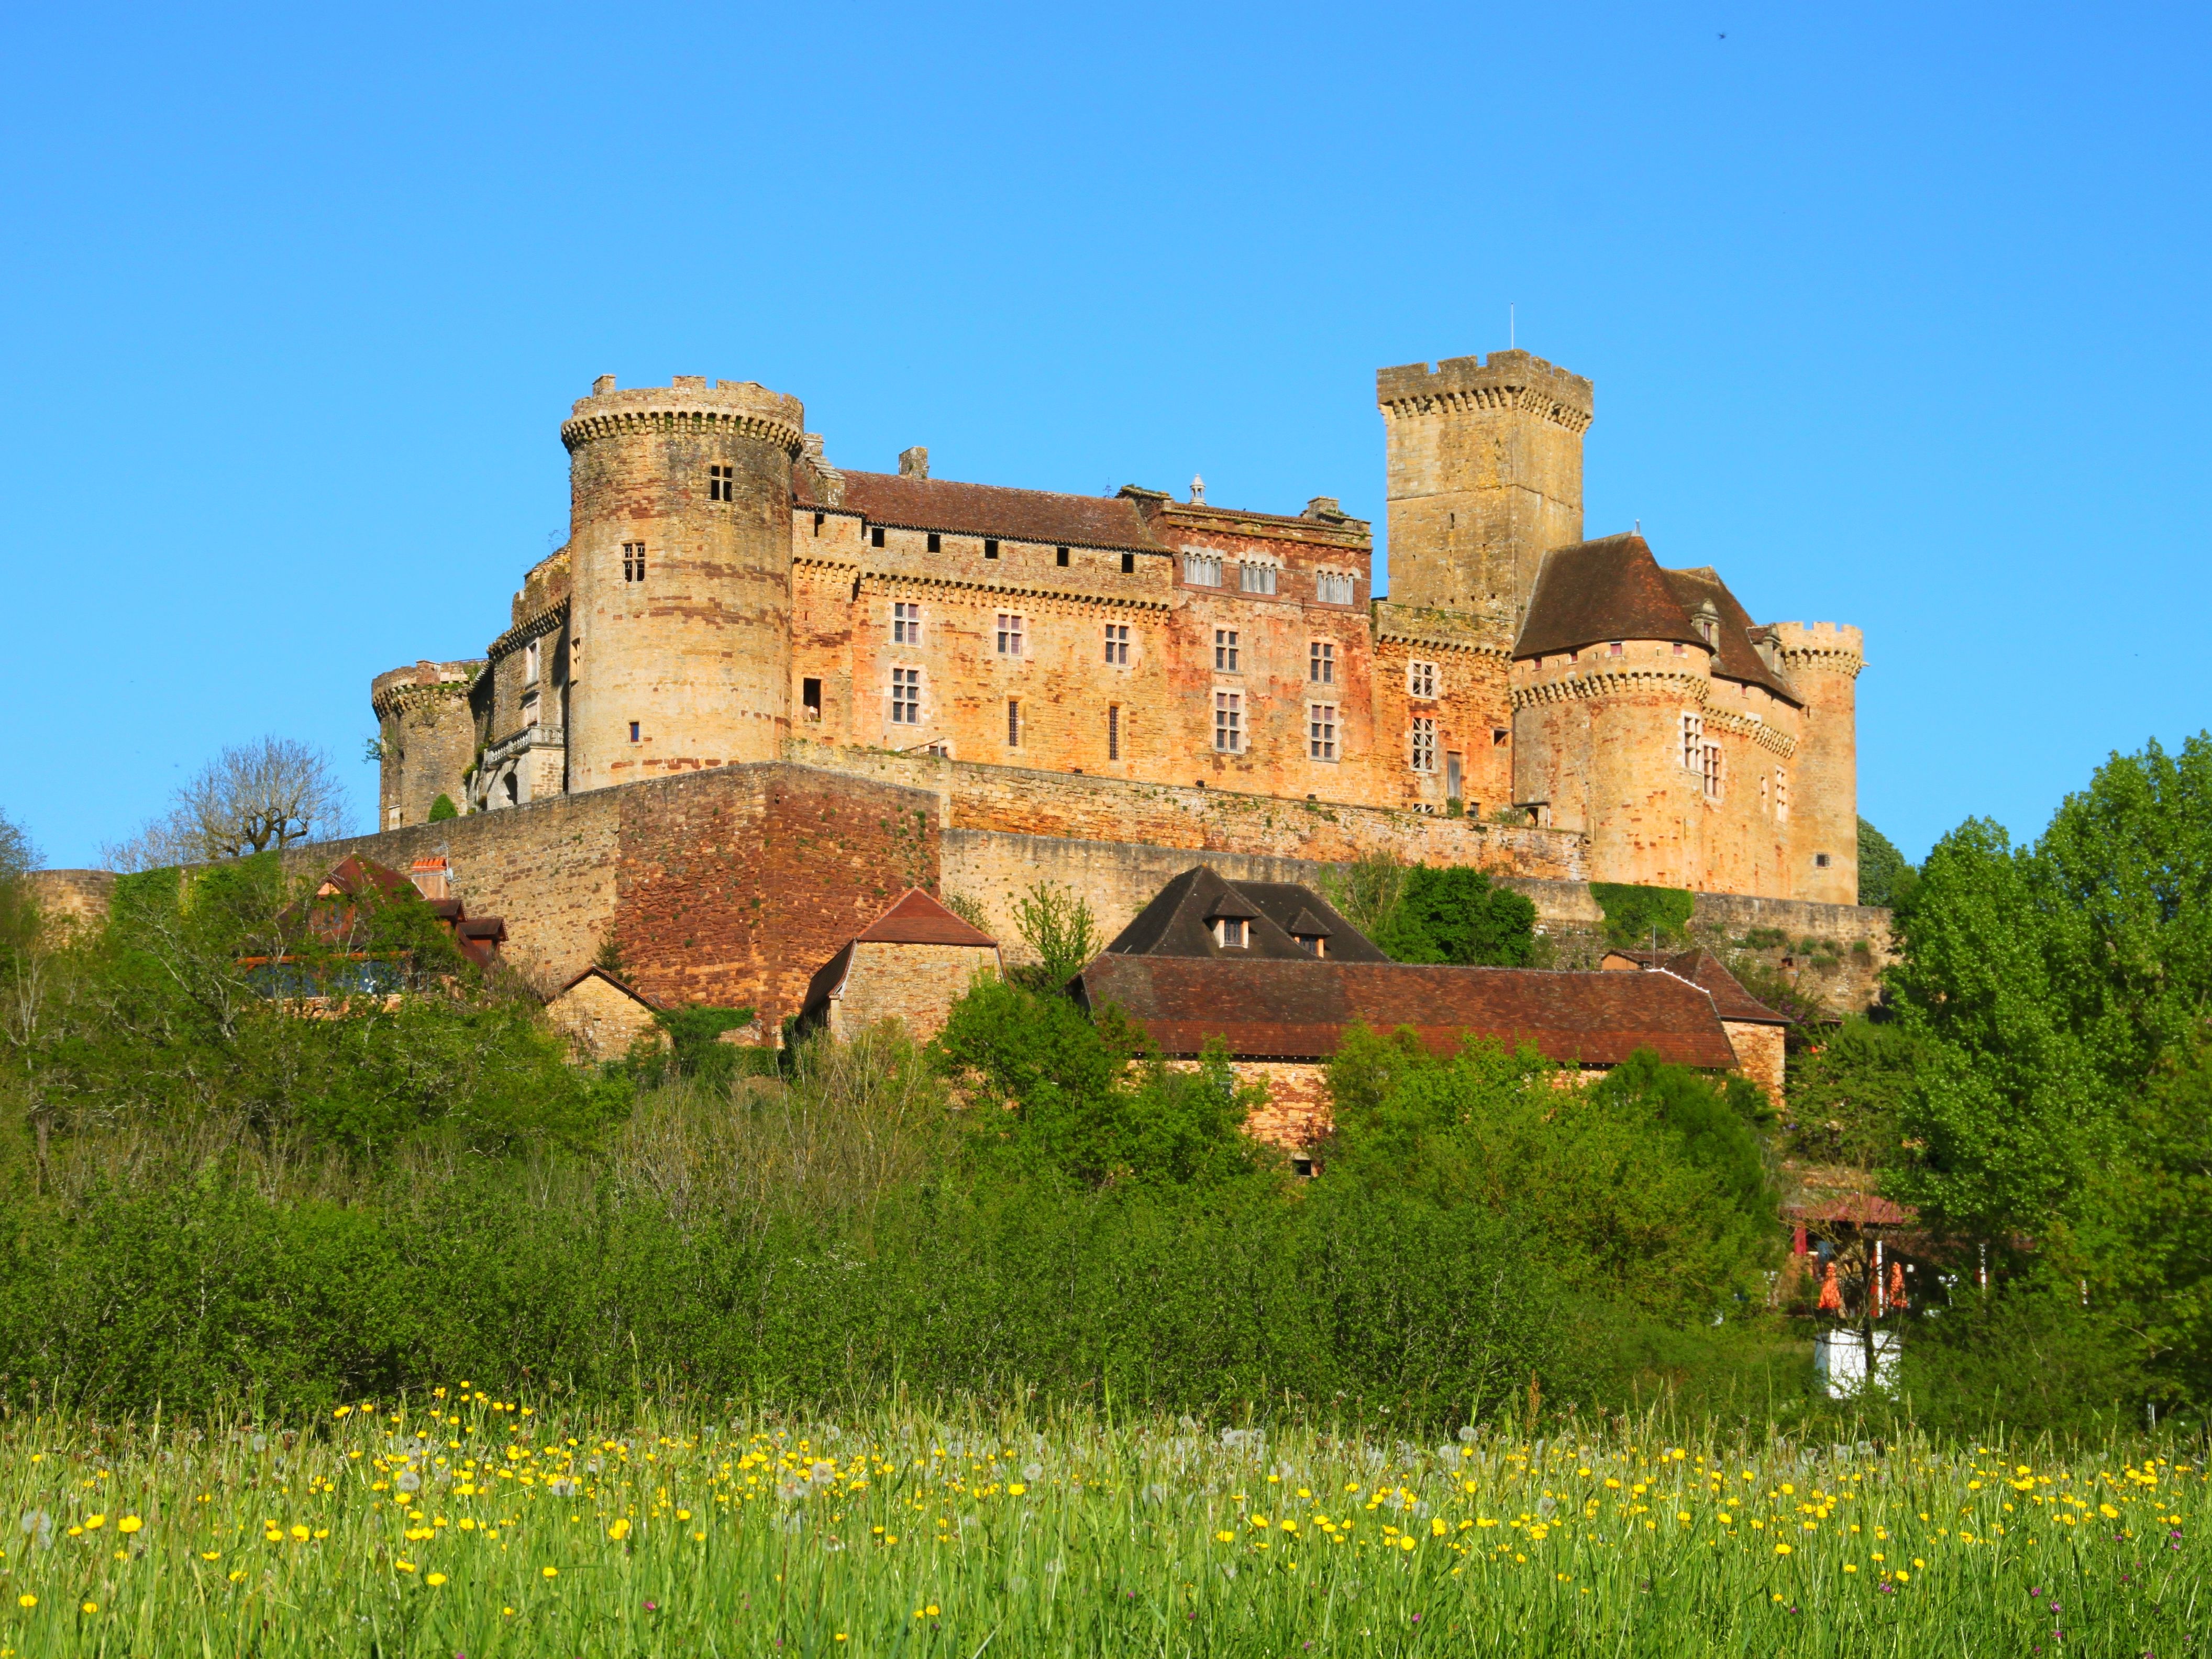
1454	916
1644	918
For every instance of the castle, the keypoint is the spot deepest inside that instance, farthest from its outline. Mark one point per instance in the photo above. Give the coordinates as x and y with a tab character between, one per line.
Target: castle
1525	699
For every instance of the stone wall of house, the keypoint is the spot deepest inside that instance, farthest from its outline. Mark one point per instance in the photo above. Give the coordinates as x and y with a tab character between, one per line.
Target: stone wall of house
600	1021
913	984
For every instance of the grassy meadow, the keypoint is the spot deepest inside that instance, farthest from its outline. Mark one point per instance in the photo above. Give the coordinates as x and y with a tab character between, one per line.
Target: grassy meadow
464	1524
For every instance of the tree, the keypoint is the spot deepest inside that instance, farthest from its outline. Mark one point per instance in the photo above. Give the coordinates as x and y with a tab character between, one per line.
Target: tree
1454	916
1885	878
1644	918
2061	991
1368	890
443	808
1056	922
255	798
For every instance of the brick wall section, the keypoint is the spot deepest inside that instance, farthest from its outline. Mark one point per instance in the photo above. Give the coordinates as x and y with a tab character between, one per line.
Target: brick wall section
734	885
913	984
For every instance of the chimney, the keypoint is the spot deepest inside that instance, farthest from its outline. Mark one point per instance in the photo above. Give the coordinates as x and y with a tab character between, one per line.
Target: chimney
603	384
914	463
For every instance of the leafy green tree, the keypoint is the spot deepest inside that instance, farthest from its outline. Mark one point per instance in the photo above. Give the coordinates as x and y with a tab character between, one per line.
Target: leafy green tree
1649	1186
1058	1092
443	808
1367	890
1056	923
1847	1094
1886	878
1454	916
1644	918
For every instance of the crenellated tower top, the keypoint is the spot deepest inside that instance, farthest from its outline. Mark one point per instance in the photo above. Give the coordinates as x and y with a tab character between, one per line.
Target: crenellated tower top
1516	380
743	407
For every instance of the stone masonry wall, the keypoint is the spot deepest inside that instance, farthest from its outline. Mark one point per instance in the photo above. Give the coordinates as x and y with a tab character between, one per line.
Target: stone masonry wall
735	885
913	984
1083	808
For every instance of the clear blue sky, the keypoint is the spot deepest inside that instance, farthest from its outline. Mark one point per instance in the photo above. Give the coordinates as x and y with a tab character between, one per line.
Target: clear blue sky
1897	315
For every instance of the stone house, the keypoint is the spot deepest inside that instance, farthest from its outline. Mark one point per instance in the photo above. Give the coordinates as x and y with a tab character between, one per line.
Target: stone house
601	1015
910	964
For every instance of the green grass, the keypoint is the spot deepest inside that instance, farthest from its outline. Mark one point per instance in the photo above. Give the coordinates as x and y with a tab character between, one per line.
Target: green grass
469	1526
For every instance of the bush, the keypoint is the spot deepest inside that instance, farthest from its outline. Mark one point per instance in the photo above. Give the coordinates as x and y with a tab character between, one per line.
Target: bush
1644	918
1454	916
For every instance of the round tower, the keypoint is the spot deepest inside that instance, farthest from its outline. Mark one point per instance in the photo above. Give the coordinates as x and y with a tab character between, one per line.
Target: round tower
680	543
1822	661
426	735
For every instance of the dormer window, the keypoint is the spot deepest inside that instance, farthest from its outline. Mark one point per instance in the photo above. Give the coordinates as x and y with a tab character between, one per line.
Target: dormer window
1229	932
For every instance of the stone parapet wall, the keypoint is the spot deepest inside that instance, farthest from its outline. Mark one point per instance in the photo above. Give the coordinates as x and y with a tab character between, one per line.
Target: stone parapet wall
977	796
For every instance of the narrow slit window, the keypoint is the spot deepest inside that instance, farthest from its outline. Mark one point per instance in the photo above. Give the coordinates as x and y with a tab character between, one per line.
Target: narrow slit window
809	698
633	732
1113	731
1014	722
820	518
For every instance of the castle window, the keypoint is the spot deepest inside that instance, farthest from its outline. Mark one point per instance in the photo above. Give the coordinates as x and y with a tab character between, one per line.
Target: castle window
1762	793
1320	663
633	561
721	483
1614	649
990	547
1129	564
1010	635
1229	932
1225	650
1229	722
1334	588
906	697
1113	731
530	709
530	663
1821	860
1680	649
1711	769
1202	569
820	518
633	732
1422	756
1255	578
809	698
1693	740
1320	731
875	536
1014	722
1499	737
1781	794
1059	555
936	543
1420	680
1117	644
906	625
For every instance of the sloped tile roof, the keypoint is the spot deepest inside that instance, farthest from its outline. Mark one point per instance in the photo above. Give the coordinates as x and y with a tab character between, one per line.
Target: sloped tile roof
974	509
915	918
1301	1009
1705	970
1177	921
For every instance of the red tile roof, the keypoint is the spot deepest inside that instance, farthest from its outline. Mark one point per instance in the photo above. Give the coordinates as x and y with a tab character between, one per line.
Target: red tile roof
915	918
1301	1009
974	509
1704	970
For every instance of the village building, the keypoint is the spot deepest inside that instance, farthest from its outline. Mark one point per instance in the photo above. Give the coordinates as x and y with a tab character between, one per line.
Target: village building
1281	1012
910	964
602	1017
1755	1031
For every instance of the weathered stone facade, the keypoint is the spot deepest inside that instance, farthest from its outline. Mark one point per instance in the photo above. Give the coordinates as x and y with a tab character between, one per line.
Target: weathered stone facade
727	595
